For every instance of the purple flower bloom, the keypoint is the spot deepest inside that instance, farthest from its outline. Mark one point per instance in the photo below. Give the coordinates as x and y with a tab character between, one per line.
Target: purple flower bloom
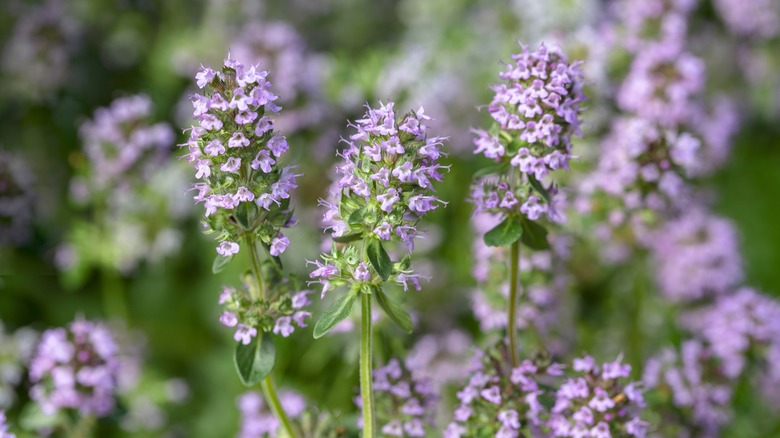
228	319
244	334
279	244
75	368
227	248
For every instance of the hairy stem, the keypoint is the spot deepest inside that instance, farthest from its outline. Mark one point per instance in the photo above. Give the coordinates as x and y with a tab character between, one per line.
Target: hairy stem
269	391
267	385
514	284
366	378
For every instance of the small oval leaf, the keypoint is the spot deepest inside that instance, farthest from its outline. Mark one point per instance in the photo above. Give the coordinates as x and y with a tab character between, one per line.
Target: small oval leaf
394	310
534	235
505	233
348	238
255	361
220	262
539	188
379	258
334	314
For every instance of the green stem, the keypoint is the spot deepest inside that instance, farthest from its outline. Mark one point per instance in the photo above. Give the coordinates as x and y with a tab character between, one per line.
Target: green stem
113	296
511	326
366	378
267	385
269	391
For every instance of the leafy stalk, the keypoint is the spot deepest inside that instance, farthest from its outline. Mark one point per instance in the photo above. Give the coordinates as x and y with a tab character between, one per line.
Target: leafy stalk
513	291
267	385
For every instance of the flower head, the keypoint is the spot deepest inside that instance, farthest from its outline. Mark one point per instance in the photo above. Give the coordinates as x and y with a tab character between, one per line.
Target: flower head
75	368
235	152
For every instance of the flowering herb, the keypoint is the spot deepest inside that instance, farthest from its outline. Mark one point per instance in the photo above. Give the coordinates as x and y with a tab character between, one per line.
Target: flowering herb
385	187
536	112
246	193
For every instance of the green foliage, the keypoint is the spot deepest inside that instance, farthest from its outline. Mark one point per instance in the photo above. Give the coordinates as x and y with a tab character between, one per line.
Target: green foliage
505	233
255	360
334	314
394	310
379	258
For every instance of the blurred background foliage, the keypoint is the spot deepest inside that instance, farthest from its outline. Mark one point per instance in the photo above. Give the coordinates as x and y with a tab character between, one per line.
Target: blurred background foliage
440	54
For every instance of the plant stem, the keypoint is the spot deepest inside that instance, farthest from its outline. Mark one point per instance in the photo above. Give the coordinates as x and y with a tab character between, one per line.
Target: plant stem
514	284
267	385
366	377
269	391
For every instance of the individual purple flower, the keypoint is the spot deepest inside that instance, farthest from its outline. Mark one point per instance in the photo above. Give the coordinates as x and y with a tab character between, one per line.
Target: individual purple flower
244	334
227	248
75	368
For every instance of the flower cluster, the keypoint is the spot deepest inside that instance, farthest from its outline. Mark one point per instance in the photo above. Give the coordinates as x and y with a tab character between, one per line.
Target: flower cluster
384	187
37	54
404	405
536	112
735	323
235	152
696	256
653	21
694	382
750	18
439	358
592	402
542	288
4	433
75	368
16	349
258	422
129	188
123	148
16	200
279	313
661	85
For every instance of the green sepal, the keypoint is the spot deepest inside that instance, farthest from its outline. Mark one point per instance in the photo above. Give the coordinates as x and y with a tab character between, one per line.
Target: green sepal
534	235
393	310
357	216
334	314
505	233
379	258
513	146
493	168
403	265
539	188
348	238
255	360
220	262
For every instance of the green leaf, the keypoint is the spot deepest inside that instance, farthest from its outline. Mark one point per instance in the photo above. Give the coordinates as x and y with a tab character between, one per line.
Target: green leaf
403	265
219	263
254	361
489	170
246	214
539	188
513	146
394	310
357	216
379	258
505	233
334	314
534	235
348	238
